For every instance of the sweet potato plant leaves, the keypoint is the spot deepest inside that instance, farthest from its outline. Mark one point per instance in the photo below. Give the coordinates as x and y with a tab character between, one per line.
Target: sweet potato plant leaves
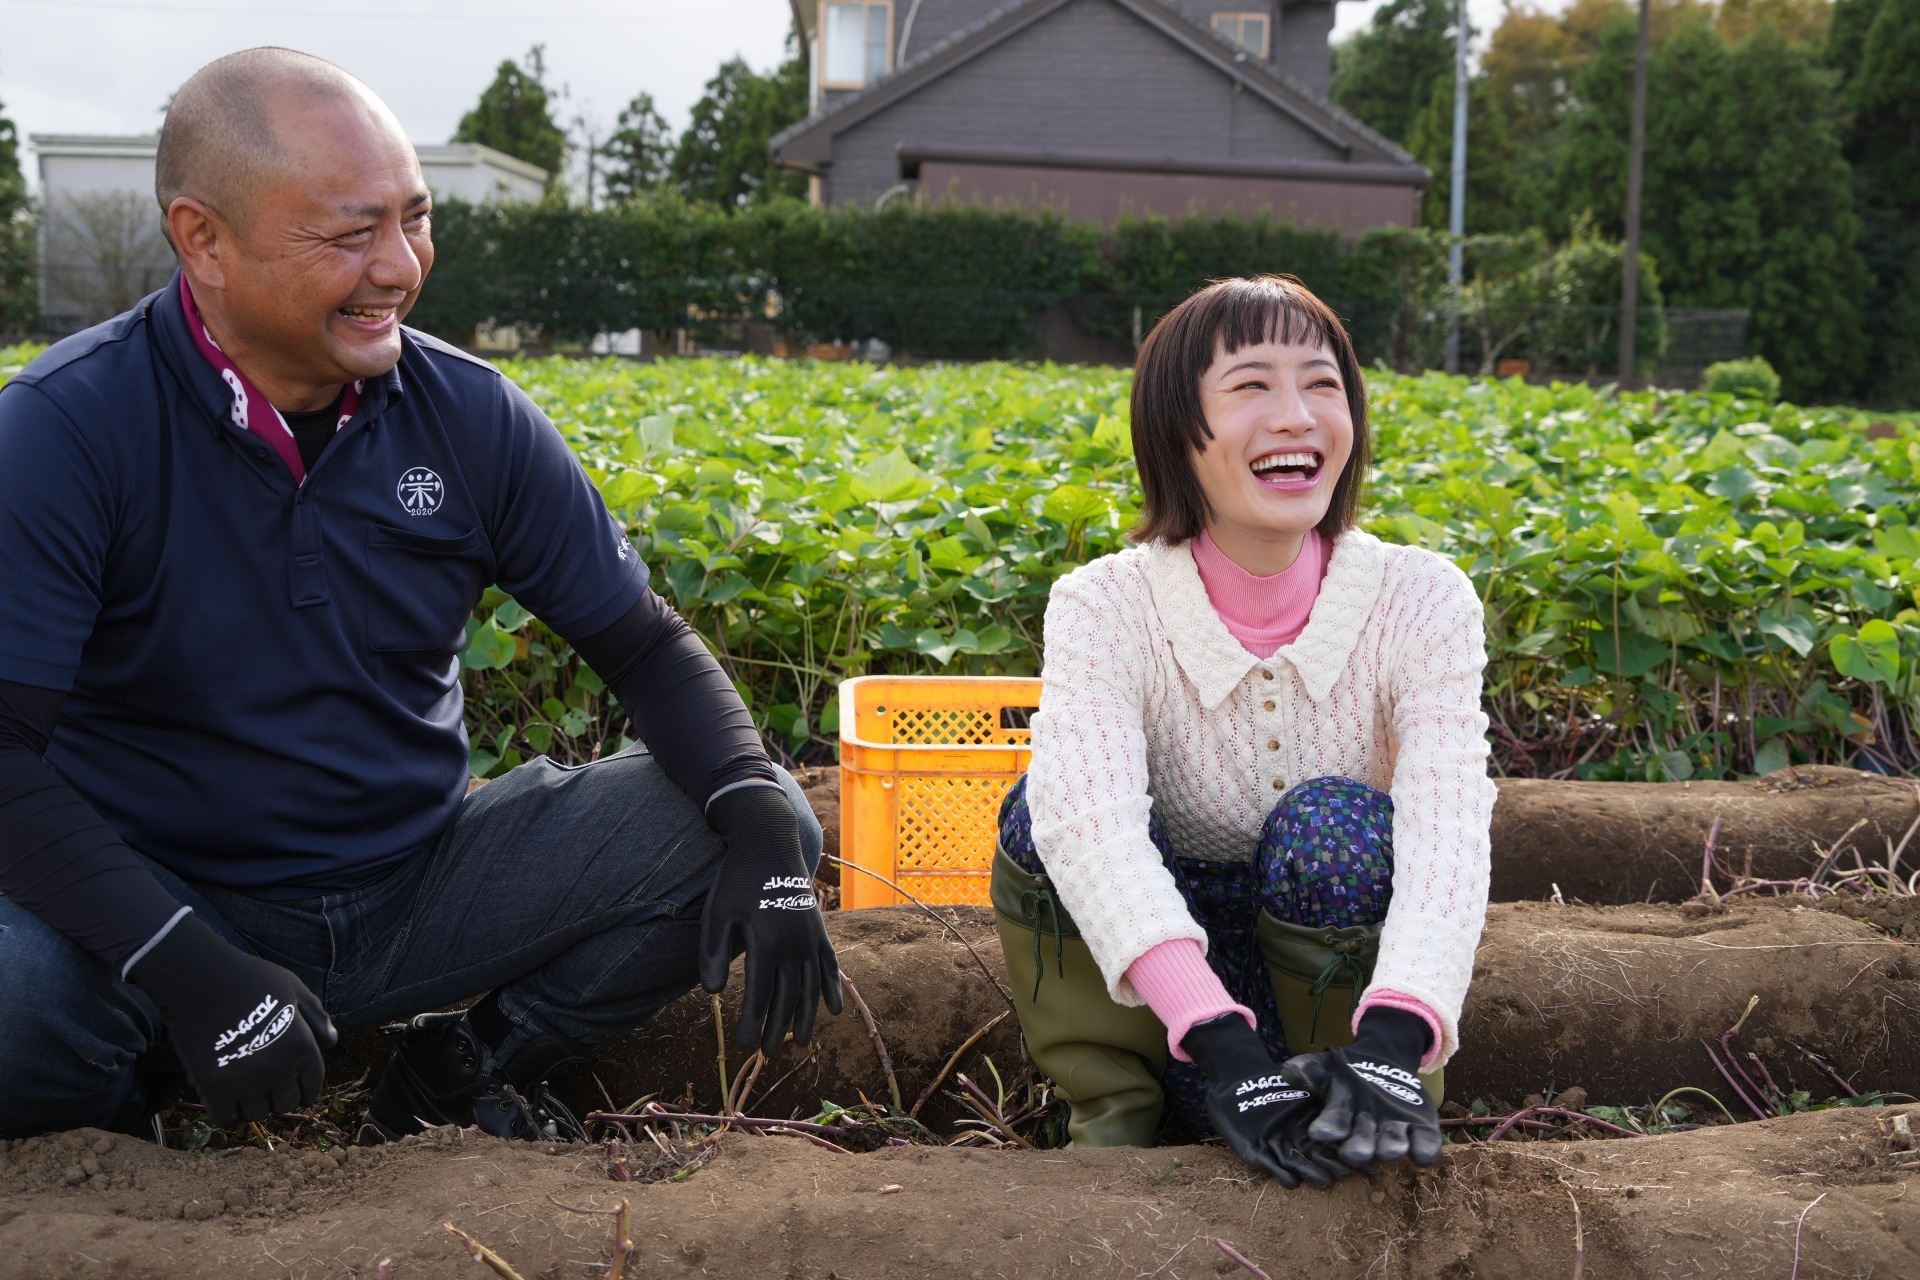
1672	587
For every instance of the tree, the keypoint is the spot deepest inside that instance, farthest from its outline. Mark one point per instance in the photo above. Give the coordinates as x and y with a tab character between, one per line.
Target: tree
16	236
1385	73
1749	200
1884	95
1495	196
723	155
105	251
515	115
637	153
1875	45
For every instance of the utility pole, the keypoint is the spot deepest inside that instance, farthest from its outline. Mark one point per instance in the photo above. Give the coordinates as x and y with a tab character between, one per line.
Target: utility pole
1457	193
1636	157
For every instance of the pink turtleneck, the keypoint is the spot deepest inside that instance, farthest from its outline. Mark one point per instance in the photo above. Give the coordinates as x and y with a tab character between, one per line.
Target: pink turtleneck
1264	615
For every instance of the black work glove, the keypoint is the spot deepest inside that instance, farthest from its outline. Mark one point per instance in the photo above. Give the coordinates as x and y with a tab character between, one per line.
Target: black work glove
1263	1118
248	1032
762	903
1373	1106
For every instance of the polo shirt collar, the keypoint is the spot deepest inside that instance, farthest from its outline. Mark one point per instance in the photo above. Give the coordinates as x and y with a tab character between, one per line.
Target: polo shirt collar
204	383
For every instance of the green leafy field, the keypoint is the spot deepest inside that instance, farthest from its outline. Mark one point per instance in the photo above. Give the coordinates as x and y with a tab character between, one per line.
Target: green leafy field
1676	585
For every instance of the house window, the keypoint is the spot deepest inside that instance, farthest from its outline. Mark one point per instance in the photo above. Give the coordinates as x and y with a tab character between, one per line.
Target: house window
1251	31
853	45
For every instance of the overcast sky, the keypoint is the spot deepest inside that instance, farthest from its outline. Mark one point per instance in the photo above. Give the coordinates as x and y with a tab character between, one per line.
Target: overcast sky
106	66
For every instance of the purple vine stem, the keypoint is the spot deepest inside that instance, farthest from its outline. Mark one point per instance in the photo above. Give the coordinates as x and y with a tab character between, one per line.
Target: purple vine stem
1767	1075
1837	1077
1733	1059
1733	1084
1528	1112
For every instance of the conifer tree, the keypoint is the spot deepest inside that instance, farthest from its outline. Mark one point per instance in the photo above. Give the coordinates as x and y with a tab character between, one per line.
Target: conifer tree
723	157
1749	199
515	115
637	152
1385	73
17	304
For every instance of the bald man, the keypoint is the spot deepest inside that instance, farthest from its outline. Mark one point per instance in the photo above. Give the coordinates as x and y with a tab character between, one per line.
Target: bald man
243	527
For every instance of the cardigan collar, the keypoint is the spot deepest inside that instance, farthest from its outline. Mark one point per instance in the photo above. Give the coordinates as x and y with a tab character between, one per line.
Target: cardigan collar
1216	663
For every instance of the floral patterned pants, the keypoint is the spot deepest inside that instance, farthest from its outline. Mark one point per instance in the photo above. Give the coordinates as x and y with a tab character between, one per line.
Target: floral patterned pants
1324	858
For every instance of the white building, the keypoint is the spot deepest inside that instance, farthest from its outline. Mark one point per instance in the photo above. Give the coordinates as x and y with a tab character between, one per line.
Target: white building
101	247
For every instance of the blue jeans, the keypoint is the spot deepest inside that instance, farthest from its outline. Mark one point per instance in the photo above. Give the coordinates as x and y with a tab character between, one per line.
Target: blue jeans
576	892
1324	858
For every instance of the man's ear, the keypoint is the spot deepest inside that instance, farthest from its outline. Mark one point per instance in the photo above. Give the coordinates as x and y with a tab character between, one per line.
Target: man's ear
198	235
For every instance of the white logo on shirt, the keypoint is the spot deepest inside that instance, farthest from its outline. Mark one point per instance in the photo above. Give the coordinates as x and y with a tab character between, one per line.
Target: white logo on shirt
420	492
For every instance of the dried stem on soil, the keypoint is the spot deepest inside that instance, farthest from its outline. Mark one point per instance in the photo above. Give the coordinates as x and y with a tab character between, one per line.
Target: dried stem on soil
481	1254
1579	1233
879	1045
622	1242
954	1061
720	1049
1242	1259
1687	1088
937	919
749	1074
989	1110
1797	1228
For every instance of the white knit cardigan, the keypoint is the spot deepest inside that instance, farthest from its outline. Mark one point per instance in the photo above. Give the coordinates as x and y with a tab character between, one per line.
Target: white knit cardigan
1148	699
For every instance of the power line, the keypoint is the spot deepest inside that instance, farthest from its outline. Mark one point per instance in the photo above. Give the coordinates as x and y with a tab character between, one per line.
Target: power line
704	18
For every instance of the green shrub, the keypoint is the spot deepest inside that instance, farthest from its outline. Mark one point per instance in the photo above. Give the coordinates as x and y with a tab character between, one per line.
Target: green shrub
1750	379
946	280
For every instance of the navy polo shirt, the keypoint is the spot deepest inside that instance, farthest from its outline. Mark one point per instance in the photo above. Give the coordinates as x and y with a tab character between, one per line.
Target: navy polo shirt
263	679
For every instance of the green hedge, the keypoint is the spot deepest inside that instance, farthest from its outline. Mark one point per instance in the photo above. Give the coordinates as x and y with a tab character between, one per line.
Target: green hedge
948	281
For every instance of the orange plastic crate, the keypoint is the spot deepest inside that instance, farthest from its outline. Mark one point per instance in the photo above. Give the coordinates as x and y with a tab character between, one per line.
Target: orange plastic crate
924	764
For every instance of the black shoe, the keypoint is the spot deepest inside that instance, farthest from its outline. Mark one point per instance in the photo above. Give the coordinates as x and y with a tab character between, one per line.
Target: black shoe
443	1073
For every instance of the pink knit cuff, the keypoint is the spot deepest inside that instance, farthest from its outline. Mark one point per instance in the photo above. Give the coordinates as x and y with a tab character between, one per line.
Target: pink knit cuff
1406	1004
1181	989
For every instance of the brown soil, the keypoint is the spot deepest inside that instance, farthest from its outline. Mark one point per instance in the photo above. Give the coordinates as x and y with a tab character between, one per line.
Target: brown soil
1709	1202
1616	842
1643	841
1612	1000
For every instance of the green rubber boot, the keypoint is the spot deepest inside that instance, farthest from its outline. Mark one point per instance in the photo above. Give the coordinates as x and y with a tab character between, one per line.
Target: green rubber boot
1317	975
1103	1058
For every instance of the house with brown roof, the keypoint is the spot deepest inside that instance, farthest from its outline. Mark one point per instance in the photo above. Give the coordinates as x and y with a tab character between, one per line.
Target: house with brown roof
1097	108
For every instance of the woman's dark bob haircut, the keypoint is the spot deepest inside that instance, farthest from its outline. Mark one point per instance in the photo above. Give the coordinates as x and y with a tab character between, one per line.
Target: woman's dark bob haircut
1169	427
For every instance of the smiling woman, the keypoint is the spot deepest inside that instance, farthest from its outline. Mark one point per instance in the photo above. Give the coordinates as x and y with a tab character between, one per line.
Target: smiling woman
1259	799
1260	365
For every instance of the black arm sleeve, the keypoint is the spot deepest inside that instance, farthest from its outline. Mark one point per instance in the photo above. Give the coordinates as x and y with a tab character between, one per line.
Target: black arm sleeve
681	703
57	858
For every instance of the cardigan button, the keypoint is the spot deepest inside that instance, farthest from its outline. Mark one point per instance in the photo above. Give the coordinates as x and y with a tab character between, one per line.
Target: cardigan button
1273	744
1268	704
1279	784
1265	674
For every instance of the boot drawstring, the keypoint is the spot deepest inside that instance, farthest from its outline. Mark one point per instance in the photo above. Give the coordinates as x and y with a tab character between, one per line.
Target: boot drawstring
1344	961
1030	903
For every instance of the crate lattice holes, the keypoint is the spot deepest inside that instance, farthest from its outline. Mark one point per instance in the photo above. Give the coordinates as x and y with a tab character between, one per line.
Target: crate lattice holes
924	764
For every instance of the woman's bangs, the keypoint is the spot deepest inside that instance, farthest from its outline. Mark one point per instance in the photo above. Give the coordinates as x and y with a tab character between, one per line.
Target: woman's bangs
1257	311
